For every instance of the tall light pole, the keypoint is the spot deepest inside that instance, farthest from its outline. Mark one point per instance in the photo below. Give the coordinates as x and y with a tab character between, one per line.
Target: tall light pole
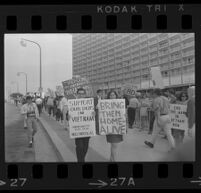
18	74
15	82
23	43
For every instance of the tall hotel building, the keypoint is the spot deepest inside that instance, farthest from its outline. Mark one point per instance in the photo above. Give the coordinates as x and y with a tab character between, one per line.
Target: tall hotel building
110	60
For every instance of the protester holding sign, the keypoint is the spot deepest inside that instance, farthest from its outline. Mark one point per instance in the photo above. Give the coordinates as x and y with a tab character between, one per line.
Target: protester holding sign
162	119
112	121
63	105
179	134
96	101
82	122
191	111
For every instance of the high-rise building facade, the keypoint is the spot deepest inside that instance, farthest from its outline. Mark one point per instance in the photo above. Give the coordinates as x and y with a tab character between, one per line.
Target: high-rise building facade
109	60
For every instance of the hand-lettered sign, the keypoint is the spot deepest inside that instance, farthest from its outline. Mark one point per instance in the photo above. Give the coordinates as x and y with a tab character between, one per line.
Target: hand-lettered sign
82	117
178	116
112	116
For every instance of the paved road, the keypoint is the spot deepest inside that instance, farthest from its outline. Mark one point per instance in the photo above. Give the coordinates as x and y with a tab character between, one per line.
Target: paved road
16	141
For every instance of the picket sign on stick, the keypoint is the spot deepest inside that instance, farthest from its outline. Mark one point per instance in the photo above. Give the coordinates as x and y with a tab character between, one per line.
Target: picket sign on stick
129	89
157	77
112	116
178	117
70	87
82	119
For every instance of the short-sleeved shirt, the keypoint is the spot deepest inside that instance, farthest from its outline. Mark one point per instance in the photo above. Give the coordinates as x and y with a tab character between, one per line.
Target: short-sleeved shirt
30	109
63	103
134	103
39	101
162	104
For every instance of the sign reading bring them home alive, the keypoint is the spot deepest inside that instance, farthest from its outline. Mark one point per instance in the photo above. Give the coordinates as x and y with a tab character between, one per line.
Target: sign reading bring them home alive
112	116
82	119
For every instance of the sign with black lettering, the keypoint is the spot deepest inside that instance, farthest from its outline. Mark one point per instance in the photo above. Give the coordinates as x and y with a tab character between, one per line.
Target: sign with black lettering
112	116
178	116
129	89
59	90
70	87
157	77
82	117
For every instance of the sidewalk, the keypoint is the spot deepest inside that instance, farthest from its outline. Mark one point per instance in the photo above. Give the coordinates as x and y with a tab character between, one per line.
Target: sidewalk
131	149
16	143
16	140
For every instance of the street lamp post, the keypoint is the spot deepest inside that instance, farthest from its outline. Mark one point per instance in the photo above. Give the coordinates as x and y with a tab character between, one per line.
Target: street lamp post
18	74
23	43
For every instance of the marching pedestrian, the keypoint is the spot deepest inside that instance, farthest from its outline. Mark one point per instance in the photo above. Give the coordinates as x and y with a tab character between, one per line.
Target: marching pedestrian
31	116
58	111
96	101
179	134
133	105
113	139
23	111
162	119
151	113
191	111
50	104
64	111
39	104
82	143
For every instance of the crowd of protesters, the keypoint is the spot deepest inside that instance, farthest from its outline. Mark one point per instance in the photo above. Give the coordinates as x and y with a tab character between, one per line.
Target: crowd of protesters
148	112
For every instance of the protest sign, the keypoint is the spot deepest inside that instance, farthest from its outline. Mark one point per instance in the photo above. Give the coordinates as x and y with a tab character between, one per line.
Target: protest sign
59	90
129	89
157	77
178	117
112	116
82	119
70	87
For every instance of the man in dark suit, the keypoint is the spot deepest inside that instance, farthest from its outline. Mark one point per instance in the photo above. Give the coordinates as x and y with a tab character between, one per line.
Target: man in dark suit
96	99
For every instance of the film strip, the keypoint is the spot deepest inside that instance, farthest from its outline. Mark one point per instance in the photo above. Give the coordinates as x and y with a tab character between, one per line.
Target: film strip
140	18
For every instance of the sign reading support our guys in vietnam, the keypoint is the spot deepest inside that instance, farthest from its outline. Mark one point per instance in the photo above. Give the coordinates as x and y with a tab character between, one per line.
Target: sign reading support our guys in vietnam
178	117
82	119
112	116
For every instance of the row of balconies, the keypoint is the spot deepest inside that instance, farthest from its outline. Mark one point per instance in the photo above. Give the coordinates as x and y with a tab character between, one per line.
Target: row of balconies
133	48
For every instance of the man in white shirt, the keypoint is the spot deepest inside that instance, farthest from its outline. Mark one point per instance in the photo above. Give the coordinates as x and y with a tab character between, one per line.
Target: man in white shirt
133	105
39	104
31	114
64	110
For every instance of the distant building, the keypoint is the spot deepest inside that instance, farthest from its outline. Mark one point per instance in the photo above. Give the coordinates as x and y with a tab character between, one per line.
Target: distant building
109	60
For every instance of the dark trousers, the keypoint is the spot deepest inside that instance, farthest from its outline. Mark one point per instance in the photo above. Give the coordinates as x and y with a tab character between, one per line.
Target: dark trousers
82	145
131	116
58	115
50	110
151	121
39	109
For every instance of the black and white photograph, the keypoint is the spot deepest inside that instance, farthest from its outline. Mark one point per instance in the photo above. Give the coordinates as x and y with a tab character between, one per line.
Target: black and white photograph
99	97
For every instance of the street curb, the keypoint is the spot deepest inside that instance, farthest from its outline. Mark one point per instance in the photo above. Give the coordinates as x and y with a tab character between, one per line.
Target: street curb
63	152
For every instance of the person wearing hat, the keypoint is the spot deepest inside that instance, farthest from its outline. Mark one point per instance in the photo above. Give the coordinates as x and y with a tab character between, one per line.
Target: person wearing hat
31	117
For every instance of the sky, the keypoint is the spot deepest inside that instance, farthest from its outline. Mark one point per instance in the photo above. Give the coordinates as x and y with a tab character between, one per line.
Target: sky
56	54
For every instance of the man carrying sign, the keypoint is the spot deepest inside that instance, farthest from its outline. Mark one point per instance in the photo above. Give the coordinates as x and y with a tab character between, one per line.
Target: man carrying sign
82	143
